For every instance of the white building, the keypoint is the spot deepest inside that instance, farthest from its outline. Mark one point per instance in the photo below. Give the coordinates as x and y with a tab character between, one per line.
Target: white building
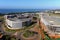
57	11
17	22
52	22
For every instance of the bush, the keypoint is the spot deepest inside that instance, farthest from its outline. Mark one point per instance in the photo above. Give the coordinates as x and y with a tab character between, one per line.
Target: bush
28	34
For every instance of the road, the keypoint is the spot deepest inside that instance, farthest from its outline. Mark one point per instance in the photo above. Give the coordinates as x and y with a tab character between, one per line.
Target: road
1	28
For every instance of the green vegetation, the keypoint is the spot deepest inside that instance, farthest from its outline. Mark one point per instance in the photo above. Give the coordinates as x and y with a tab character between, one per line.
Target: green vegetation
8	30
37	15
58	39
13	38
28	34
46	36
55	14
2	18
34	18
8	37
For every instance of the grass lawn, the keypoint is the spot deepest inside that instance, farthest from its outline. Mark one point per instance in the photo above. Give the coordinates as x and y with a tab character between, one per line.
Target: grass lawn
57	14
28	34
1	17
47	37
8	30
58	39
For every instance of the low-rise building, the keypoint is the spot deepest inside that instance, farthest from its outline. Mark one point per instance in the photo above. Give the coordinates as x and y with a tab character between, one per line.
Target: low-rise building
51	24
17	21
57	11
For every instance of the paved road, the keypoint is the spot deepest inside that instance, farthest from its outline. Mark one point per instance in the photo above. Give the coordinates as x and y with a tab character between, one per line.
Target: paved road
1	28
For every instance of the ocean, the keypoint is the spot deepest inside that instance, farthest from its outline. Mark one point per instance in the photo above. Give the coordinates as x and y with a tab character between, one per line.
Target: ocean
18	10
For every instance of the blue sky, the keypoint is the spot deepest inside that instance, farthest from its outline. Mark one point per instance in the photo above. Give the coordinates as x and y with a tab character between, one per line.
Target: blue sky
30	4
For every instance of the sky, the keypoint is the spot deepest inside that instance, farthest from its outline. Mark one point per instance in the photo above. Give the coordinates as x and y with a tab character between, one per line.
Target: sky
29	4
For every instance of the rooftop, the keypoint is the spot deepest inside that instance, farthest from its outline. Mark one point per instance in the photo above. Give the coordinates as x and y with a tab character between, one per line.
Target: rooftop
16	19
19	17
52	18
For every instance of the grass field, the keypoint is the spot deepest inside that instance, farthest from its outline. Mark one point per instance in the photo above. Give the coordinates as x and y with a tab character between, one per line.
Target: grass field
52	14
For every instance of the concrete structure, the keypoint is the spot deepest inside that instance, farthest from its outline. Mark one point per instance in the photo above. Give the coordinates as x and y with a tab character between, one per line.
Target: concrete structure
17	21
51	24
57	11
